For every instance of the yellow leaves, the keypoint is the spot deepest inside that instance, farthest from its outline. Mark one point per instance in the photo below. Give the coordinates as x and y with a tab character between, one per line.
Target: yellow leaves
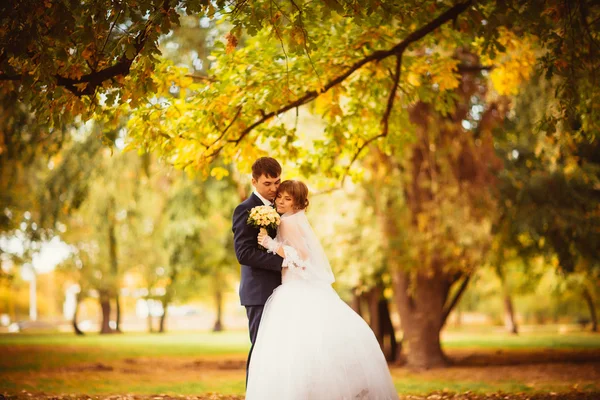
298	35
508	77
422	222
416	71
440	70
571	166
444	74
328	103
525	239
513	66
219	173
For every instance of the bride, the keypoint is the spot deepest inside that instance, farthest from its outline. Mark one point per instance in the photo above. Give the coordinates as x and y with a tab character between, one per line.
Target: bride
310	344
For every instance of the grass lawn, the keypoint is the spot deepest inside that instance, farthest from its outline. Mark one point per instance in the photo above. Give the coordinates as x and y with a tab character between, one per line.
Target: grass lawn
202	362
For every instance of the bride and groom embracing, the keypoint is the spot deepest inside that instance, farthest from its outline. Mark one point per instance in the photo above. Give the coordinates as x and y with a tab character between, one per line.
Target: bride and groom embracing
306	342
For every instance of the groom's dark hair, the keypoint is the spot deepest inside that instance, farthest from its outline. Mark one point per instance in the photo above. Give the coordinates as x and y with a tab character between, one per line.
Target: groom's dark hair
266	166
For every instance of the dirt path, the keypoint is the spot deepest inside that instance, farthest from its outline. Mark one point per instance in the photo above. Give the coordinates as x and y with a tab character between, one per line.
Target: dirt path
571	375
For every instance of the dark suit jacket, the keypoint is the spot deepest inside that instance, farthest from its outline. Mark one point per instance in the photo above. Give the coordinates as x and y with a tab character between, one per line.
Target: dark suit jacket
261	271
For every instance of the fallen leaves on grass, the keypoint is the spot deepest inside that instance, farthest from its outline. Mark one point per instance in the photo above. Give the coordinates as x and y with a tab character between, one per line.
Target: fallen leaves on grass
573	395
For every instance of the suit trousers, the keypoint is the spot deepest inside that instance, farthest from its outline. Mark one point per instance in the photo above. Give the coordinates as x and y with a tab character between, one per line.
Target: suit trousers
254	314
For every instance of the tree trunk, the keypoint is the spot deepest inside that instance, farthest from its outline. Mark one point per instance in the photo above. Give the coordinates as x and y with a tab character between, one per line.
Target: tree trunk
373	297
78	331
218	327
163	317
421	315
458	321
114	266
421	306
105	305
590	303
380	322
149	318
509	315
387	330
118	312
455	300
356	302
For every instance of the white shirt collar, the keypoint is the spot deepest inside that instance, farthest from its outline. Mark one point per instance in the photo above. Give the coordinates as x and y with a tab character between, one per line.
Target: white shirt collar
265	201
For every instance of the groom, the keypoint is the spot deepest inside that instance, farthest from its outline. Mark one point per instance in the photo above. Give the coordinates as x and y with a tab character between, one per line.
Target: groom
261	271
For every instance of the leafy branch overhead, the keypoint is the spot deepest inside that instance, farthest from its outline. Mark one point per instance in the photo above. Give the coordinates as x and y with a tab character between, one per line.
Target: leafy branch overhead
356	65
358	69
376	56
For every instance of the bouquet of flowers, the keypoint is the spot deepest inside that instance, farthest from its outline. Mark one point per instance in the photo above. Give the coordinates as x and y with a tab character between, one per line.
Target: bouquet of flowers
263	217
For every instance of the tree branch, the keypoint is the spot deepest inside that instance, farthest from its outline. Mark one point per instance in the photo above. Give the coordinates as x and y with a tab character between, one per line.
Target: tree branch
397	50
96	78
235	117
448	309
8	77
463	68
385	121
200	78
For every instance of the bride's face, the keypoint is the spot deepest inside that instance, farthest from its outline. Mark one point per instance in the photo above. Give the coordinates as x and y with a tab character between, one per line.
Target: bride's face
284	203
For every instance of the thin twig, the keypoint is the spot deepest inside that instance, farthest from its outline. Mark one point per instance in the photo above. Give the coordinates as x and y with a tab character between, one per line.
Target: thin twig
200	78
287	66
110	31
384	120
305	35
235	117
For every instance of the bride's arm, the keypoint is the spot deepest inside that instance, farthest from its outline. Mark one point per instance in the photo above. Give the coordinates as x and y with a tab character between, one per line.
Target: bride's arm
293	251
271	244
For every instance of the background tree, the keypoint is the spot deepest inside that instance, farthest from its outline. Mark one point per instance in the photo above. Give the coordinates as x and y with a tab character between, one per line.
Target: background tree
549	196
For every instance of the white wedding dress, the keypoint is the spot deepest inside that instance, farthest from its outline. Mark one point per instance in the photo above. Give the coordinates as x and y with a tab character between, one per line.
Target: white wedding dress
310	344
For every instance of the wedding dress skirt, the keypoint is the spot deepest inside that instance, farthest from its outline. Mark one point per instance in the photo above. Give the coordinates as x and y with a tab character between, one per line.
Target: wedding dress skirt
313	346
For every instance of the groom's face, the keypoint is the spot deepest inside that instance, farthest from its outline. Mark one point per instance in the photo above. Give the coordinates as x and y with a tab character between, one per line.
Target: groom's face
267	186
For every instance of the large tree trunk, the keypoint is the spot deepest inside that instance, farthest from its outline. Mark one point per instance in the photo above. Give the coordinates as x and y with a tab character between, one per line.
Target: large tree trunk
509	315
105	306
590	303
421	311
443	167
421	315
76	329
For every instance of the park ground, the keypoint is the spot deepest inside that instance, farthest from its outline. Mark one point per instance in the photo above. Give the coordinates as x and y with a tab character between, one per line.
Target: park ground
540	364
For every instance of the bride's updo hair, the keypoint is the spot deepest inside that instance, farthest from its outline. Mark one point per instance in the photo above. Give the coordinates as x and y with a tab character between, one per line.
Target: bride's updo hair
298	192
